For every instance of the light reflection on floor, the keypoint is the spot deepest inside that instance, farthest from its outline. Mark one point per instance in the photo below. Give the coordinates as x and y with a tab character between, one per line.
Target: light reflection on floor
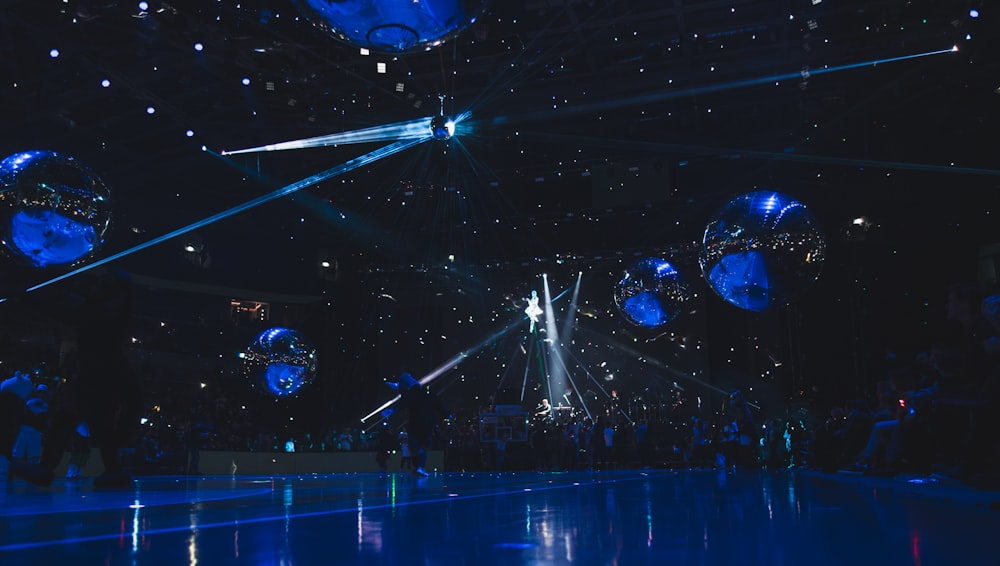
623	517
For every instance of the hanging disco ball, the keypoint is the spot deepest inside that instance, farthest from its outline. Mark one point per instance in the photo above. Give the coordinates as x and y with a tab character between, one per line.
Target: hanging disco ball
762	250
442	128
53	209
392	26
651	293
279	362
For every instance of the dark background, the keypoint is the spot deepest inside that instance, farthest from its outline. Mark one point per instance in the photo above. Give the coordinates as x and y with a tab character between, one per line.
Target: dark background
681	105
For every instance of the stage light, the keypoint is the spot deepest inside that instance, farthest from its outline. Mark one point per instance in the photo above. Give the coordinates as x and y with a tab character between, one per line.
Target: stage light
150	110
198	46
54	53
105	83
973	13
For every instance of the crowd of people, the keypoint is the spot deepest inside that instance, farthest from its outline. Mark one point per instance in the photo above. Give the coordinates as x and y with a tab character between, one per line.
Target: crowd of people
929	414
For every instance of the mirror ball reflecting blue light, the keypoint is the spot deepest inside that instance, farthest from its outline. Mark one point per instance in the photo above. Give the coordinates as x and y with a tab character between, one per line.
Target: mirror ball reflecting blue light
53	209
651	293
392	26
442	127
762	250
279	362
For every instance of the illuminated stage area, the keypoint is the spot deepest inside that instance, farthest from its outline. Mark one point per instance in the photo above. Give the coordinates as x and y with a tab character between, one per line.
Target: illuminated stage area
624	517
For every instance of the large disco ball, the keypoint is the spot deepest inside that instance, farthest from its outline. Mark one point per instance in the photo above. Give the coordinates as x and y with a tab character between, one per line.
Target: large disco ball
279	362
392	26
53	209
651	293
761	250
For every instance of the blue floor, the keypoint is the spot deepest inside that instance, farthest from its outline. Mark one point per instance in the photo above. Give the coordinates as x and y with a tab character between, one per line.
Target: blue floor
626	517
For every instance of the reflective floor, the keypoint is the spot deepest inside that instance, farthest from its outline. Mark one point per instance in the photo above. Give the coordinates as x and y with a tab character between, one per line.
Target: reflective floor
625	517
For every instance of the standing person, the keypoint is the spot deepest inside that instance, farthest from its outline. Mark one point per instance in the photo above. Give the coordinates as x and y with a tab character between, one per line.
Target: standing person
28	446
405	457
384	446
104	393
424	410
14	391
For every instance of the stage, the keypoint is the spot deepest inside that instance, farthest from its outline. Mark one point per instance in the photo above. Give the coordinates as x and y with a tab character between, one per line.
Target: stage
612	517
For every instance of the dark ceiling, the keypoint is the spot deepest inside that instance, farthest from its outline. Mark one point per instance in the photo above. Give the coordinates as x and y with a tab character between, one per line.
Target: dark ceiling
596	131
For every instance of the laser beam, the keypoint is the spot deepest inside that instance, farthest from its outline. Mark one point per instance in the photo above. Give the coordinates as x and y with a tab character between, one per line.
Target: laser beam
350	165
456	359
414	129
665	94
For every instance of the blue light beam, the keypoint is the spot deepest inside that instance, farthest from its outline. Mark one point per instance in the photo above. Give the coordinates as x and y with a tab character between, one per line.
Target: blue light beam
457	358
350	165
414	129
668	95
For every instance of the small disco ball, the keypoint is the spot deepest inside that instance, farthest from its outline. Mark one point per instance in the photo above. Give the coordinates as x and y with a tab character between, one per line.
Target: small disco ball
652	293
442	128
279	362
53	209
761	250
392	26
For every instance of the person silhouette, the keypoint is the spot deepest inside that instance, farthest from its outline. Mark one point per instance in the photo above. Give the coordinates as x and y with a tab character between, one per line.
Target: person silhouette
424	411
533	310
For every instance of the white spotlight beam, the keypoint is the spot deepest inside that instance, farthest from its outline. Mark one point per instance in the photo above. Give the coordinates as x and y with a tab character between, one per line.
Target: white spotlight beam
567	329
449	364
455	360
555	370
413	129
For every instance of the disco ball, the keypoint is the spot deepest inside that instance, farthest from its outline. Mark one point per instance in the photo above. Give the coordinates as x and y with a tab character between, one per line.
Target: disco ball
279	362
652	293
392	26
53	209
761	250
442	127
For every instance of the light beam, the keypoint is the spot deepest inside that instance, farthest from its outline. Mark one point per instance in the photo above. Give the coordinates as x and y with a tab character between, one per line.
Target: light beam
350	165
414	129
666	94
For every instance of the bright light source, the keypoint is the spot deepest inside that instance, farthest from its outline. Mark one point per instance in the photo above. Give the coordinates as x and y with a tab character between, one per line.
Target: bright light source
189	248
150	110
198	46
324	264
380	67
246	81
54	53
973	13
105	83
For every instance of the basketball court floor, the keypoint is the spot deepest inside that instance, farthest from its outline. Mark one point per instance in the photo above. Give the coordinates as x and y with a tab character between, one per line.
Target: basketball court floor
662	517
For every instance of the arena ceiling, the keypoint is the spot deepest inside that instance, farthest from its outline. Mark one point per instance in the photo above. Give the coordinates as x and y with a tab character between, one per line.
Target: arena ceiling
593	133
